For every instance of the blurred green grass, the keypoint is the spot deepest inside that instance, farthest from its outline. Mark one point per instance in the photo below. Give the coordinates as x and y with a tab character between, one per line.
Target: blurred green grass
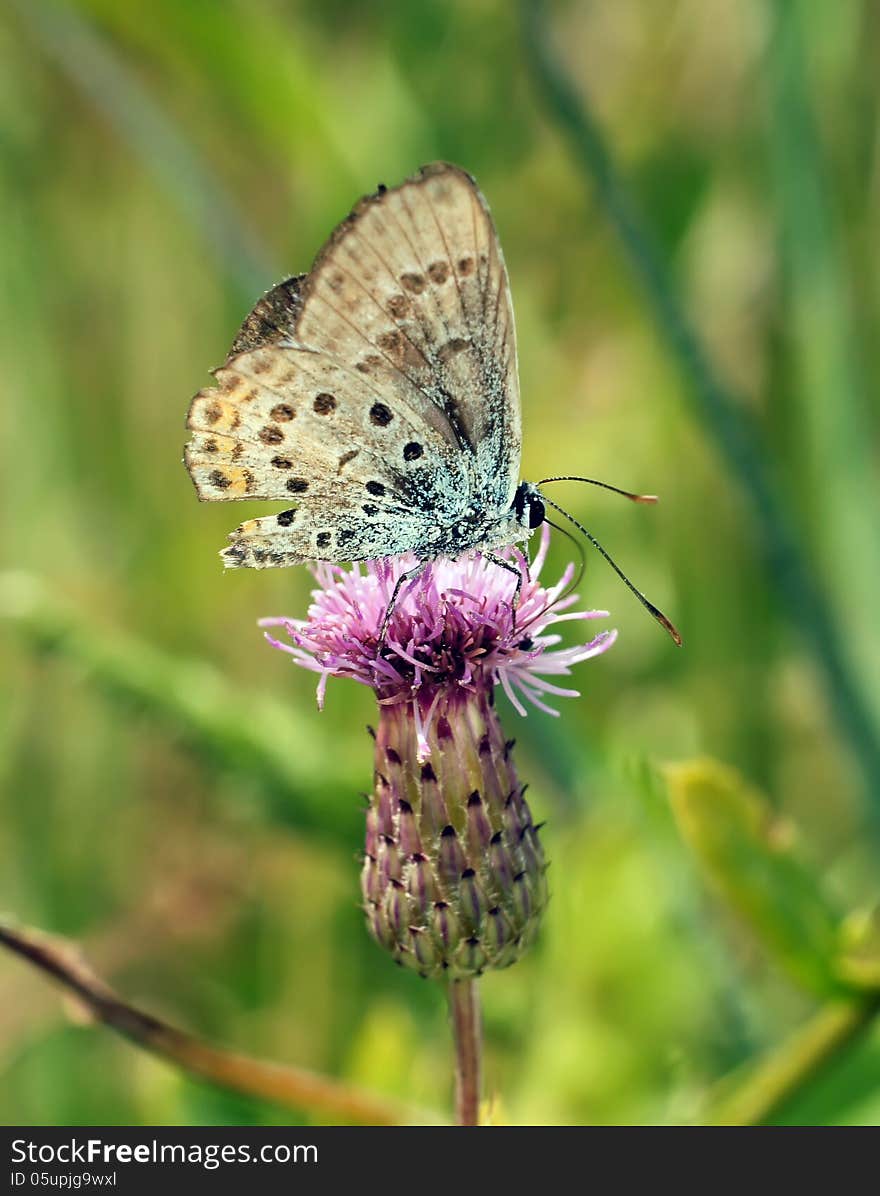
137	229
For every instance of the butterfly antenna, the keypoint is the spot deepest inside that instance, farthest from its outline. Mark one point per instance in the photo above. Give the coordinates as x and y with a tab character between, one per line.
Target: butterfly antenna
649	606
643	498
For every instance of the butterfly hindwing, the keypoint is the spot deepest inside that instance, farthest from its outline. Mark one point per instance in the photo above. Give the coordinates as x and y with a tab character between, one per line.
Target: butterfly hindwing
378	393
308	533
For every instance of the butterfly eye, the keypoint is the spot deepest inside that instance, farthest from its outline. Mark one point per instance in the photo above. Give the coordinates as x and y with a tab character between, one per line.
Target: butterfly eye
536	512
528	505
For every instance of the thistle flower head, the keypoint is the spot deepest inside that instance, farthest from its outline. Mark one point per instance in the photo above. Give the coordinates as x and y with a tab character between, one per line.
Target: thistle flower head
452	627
453	876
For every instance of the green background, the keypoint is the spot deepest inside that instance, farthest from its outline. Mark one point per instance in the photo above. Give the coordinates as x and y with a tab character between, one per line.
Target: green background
164	162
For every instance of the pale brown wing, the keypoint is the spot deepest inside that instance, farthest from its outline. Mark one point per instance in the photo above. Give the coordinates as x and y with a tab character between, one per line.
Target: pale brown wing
391	365
416	279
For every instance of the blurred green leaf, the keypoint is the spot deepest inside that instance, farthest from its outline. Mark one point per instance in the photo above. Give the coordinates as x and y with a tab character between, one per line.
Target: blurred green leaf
771	1088
751	858
296	764
846	1091
105	77
829	426
859	963
717	405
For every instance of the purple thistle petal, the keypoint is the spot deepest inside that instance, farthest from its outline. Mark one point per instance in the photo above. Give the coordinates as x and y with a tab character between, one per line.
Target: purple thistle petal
452	625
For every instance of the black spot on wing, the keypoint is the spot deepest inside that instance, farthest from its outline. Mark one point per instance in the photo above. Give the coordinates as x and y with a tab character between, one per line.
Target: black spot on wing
380	415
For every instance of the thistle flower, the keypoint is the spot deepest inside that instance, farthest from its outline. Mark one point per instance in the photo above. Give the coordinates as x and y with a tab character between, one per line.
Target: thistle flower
453	876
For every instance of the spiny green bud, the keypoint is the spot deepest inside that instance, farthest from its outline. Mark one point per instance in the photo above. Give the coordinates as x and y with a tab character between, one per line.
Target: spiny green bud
453	878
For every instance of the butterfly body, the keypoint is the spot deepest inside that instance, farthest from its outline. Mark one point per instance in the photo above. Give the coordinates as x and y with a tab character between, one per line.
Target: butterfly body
377	394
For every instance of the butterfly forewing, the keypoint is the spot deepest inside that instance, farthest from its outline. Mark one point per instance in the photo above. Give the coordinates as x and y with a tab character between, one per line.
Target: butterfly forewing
378	393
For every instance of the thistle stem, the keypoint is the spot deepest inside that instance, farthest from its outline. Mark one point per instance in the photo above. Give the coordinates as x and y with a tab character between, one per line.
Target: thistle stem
464	1006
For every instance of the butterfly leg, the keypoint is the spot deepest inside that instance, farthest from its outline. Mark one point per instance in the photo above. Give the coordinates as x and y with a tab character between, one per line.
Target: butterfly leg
510	568
411	575
527	554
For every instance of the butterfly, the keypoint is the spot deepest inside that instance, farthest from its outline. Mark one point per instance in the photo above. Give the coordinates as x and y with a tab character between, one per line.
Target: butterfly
377	395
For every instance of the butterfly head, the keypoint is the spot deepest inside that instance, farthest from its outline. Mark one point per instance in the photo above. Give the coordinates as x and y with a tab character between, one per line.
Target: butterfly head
528	506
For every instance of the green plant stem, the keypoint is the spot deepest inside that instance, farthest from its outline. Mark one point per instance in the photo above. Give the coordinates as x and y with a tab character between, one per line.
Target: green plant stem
769	1084
467	1030
291	1087
718	408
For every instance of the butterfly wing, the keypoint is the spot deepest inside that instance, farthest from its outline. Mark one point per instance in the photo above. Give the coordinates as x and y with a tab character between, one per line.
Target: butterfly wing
379	392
